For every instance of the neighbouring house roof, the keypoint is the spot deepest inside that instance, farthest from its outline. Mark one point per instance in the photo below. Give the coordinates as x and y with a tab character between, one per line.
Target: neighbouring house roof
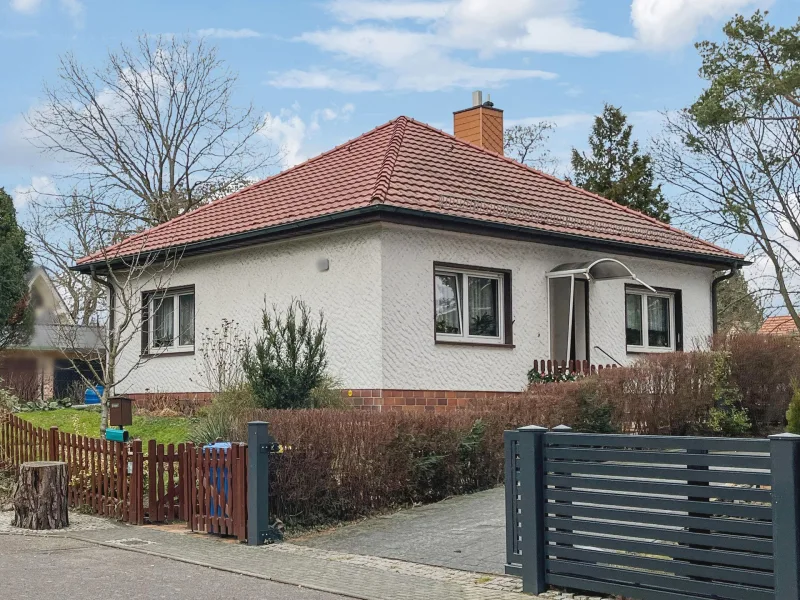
782	325
408	168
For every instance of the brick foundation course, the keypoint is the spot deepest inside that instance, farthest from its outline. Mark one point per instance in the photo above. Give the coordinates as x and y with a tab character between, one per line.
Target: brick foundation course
366	399
416	400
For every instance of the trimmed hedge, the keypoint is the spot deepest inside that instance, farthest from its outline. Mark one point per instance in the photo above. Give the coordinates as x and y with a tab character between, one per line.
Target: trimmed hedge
340	465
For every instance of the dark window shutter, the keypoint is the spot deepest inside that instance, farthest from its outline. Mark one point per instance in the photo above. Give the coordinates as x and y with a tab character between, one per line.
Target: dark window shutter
678	321
145	324
507	309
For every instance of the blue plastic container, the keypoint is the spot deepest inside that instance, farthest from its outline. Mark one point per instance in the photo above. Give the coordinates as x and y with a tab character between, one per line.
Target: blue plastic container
219	480
91	397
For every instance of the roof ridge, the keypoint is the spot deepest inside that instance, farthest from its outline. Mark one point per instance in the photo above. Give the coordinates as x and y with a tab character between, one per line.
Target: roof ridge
384	179
235	194
575	187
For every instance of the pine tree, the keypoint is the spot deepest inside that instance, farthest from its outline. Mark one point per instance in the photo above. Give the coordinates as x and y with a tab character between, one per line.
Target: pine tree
737	306
16	320
615	169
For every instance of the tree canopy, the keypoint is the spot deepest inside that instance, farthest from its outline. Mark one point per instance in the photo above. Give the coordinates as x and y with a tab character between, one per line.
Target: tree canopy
16	320
734	155
616	169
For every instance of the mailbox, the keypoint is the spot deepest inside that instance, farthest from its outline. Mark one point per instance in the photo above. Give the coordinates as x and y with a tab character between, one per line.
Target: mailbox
120	411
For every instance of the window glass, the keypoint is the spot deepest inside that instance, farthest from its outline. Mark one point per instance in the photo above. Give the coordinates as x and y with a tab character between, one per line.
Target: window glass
448	303
658	334
633	320
163	321
186	320
483	303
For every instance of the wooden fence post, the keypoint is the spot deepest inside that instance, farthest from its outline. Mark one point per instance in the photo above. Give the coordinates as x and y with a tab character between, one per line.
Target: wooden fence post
52	443
531	453
785	453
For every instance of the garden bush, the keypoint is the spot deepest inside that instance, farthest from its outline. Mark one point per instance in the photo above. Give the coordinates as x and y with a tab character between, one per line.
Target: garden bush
339	465
762	369
287	359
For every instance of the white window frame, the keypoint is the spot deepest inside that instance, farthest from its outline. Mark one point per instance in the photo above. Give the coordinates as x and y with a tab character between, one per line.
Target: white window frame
464	336
155	301
646	347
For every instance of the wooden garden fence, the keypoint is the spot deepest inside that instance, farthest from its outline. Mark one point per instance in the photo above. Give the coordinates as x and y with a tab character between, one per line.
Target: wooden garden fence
206	488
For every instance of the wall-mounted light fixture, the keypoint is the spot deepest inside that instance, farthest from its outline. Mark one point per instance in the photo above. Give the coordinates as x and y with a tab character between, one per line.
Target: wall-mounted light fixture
323	264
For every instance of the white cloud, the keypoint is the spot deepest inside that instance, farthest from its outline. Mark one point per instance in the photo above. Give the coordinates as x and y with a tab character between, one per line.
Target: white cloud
40	186
350	11
291	132
667	24
385	51
25	6
228	33
330	79
74	8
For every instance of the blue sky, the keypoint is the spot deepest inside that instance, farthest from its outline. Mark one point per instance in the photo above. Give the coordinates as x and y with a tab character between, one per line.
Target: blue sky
329	70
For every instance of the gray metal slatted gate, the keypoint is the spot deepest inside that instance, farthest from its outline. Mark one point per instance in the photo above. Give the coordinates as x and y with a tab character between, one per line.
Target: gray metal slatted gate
654	517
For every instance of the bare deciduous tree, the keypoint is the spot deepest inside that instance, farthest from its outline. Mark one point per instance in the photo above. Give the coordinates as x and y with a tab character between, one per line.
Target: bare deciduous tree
121	305
528	145
739	184
155	132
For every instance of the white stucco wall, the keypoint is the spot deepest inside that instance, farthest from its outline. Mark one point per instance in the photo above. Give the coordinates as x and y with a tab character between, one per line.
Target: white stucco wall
378	302
411	359
234	285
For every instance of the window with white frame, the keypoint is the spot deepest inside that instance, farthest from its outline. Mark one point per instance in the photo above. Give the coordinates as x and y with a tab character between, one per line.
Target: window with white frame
649	321
171	321
469	305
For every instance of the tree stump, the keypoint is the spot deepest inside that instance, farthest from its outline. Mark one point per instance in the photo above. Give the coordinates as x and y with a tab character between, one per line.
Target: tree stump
40	496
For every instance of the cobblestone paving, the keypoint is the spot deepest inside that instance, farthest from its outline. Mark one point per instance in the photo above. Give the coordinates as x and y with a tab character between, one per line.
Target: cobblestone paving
465	532
77	522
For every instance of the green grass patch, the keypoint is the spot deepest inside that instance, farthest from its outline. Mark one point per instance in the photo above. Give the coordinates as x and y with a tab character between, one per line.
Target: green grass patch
165	430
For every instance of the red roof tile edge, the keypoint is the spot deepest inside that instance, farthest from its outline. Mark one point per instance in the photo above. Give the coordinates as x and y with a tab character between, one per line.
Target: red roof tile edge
382	184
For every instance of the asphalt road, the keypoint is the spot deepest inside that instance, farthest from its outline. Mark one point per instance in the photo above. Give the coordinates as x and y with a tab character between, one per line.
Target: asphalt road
50	567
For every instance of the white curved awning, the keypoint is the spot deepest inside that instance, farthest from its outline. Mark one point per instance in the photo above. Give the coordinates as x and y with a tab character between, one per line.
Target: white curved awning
600	269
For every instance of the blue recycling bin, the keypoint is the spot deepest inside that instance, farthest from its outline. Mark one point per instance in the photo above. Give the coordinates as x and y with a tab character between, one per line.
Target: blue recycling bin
219	480
92	397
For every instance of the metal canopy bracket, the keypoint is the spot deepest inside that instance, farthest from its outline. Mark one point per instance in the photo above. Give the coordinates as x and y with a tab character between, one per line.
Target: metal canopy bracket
602	269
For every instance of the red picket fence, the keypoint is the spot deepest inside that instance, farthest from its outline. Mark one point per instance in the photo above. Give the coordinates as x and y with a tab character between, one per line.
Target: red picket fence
166	475
207	488
217	490
555	367
105	477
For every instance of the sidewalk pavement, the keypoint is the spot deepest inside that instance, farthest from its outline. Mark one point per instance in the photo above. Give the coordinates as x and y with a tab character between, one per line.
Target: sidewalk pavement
352	575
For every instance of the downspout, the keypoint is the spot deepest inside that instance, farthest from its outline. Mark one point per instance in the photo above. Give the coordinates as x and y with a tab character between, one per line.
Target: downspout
714	286
112	305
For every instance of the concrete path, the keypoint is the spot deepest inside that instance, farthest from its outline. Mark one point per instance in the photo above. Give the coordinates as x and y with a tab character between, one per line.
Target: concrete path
466	532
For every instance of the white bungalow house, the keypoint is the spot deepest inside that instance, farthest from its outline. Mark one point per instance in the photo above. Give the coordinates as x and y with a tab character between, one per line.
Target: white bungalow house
443	268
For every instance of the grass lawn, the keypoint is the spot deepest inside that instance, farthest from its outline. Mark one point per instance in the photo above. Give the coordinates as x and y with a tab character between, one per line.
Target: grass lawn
166	430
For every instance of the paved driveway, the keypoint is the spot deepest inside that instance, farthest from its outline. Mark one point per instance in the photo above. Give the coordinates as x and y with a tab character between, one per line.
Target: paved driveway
467	532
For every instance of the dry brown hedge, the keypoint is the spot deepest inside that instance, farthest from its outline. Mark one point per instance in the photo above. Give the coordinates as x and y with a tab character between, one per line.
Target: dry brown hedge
346	464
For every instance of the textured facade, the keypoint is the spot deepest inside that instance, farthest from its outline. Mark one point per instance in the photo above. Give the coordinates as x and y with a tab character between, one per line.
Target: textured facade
377	296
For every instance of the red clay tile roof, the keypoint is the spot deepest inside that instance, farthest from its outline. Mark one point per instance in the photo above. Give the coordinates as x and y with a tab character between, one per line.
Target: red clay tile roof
407	164
783	325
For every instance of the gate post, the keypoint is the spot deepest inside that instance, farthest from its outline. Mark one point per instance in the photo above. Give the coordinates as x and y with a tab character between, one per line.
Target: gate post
785	453
531	453
257	483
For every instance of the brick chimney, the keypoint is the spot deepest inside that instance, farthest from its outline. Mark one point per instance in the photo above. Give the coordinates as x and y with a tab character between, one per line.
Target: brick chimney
481	124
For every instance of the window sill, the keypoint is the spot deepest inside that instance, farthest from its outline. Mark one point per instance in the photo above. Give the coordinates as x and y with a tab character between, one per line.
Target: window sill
649	350
479	344
163	354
